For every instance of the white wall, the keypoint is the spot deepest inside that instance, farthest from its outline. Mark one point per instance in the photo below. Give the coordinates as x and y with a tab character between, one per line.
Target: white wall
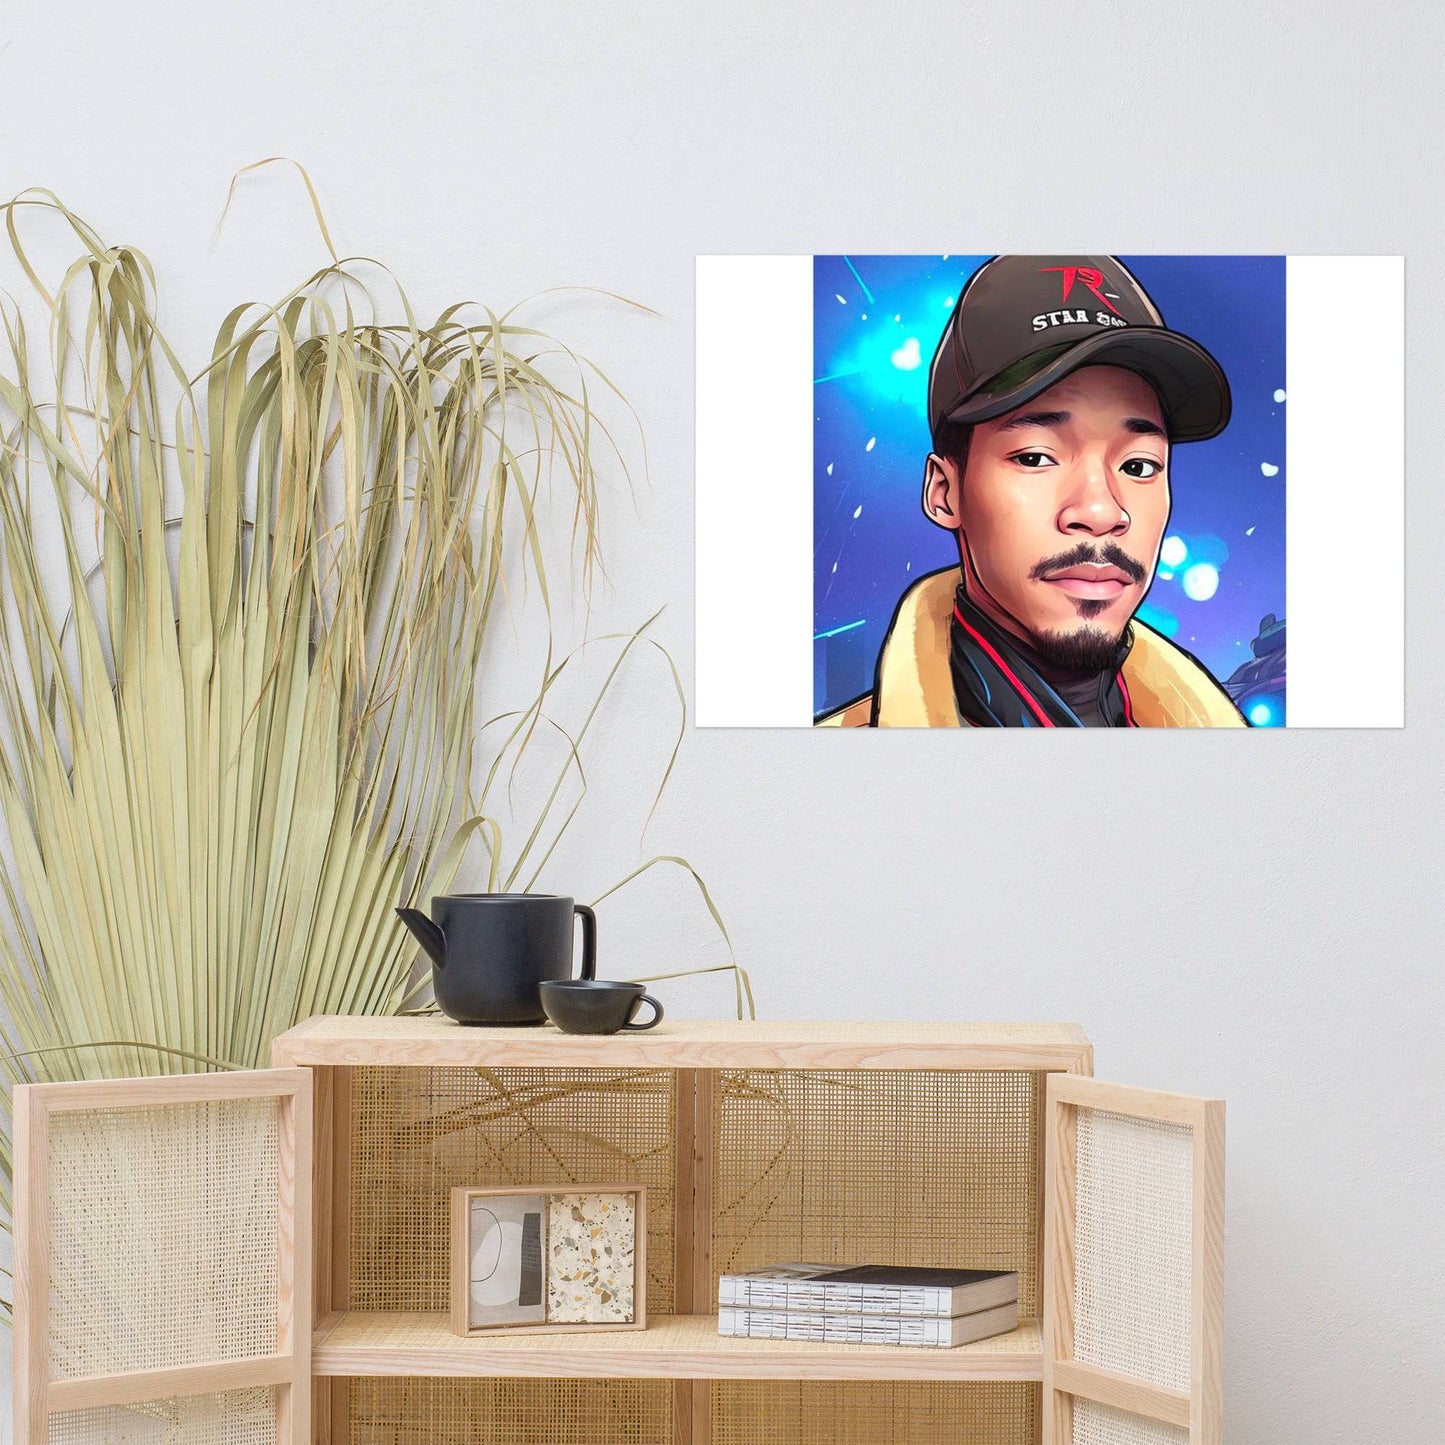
1260	922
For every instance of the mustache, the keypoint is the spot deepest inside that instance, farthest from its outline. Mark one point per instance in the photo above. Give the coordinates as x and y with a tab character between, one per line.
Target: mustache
1109	553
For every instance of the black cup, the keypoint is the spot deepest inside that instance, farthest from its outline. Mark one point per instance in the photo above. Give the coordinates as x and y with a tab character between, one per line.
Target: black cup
596	1006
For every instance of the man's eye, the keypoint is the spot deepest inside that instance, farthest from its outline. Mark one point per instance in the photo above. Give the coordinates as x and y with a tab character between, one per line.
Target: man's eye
1142	468
1034	459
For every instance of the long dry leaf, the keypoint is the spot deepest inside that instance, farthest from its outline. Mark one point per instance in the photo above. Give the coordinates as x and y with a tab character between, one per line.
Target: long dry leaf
243	615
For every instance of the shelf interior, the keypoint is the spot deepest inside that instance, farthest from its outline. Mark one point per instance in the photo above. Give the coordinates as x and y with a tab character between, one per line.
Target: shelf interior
672	1347
911	1164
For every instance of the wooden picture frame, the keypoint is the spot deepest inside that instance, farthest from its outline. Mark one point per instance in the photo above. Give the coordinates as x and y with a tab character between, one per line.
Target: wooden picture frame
462	1315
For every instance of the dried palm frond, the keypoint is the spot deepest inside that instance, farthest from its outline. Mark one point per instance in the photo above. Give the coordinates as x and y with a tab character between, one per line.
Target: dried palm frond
241	618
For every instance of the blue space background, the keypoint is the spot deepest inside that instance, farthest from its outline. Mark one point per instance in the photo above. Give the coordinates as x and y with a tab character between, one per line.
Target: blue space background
876	322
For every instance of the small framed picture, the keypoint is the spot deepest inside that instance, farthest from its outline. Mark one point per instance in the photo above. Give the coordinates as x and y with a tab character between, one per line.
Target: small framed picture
560	1259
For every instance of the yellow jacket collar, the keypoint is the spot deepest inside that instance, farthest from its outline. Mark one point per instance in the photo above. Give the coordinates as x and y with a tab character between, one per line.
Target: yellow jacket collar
1167	687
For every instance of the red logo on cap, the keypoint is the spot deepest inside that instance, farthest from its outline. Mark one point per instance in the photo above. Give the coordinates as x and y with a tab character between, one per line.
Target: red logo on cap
1091	278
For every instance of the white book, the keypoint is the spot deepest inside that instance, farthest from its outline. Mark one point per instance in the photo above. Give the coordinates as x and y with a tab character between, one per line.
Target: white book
858	1329
869	1289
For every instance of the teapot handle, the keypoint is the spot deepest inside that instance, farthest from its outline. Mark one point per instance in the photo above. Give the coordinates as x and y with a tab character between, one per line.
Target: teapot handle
589	941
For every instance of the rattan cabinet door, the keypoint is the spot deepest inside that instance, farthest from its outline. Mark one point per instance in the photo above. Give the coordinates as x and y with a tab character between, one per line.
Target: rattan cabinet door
1133	1266
162	1232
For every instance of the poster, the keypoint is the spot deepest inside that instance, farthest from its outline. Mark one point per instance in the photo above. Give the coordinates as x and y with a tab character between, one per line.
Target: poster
1049	491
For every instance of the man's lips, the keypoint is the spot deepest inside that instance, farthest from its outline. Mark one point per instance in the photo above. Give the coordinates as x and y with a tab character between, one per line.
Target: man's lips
1090	581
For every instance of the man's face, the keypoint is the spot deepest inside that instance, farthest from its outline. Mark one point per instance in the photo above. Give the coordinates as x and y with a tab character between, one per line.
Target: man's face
1061	511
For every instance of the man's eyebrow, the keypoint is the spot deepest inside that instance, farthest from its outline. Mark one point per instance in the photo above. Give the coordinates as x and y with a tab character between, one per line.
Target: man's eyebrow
1036	418
1142	426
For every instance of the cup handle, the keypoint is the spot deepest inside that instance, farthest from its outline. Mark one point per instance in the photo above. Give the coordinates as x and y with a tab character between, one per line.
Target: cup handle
653	1022
589	940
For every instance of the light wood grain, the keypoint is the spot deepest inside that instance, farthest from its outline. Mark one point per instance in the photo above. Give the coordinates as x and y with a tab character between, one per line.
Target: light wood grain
687	1044
682	1391
135	1386
288	1368
1122	1392
671	1347
162	1089
459	1254
337	1393
1060	1184
1038	1205
684	1143
639	1258
339	1226
687	1222
1200	1410
704	1136
31	1235
1206	1418
329	1236
294	1245
328	1223
1164	1108
327	1217
683	1347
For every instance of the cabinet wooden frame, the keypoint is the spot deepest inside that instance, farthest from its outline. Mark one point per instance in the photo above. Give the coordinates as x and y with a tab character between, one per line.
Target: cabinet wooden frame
287	1369
1199	1410
320	1058
461	1255
683	1347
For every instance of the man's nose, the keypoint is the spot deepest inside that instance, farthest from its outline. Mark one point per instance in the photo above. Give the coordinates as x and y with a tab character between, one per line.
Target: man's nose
1092	505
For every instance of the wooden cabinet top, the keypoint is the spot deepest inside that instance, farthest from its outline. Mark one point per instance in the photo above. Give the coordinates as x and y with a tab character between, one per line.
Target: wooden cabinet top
433	1040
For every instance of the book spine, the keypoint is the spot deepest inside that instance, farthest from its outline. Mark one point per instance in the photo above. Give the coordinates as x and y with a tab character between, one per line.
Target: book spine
799	1294
834	1328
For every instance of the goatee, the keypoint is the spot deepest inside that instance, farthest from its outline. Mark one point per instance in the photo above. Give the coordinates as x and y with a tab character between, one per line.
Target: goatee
1090	649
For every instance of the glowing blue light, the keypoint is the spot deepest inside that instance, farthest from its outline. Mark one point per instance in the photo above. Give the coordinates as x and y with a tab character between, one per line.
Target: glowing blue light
1208	547
873	361
1173	552
859	279
1260	715
1201	582
908	357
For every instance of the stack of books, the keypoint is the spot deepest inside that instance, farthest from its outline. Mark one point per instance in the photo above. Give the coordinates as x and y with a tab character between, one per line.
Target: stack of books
868	1304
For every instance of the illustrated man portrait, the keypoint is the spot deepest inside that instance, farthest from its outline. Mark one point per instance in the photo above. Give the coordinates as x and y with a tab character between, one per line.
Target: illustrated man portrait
1055	400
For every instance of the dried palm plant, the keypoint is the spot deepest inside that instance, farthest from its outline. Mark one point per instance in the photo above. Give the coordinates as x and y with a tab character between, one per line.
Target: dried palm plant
241	616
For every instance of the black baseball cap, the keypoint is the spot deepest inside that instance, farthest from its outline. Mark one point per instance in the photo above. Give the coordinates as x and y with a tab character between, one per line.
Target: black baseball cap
1025	322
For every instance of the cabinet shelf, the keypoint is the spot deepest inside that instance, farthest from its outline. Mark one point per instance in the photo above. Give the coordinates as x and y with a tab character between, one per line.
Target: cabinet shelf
672	1347
434	1041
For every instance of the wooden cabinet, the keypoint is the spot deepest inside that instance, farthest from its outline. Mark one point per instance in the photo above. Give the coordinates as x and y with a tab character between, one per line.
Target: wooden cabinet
977	1144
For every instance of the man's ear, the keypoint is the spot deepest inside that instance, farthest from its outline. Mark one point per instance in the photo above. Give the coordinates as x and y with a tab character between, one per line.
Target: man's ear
942	492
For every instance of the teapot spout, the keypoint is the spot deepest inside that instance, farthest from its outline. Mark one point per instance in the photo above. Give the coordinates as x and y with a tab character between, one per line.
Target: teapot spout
431	938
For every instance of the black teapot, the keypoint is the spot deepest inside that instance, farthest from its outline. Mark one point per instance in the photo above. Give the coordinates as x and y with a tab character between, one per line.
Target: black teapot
491	952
